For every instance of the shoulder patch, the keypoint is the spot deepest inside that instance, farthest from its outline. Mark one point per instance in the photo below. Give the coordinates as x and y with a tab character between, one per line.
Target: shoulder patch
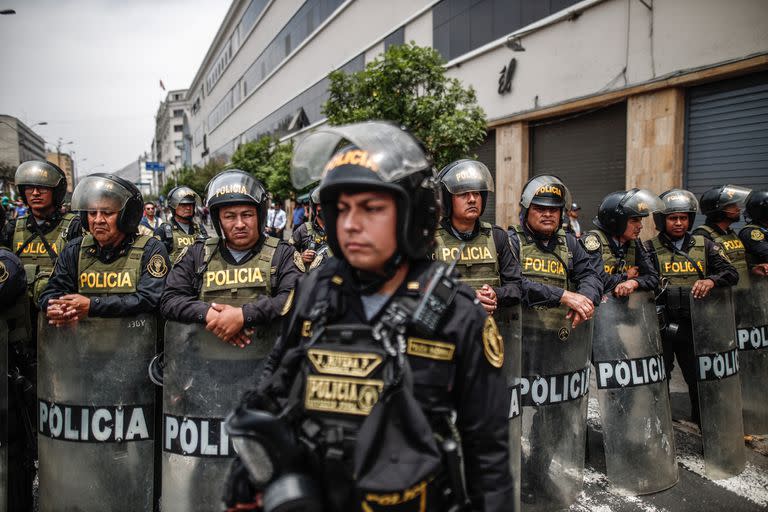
493	343
298	261
591	243
156	266
3	273
757	235
288	303
181	254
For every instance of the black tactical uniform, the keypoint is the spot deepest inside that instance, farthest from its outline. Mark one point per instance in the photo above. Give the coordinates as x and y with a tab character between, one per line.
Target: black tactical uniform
369	419
310	235
12	279
696	258
754	235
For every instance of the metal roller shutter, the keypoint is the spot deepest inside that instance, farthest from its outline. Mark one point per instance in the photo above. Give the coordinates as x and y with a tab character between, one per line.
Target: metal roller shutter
587	151
727	134
486	153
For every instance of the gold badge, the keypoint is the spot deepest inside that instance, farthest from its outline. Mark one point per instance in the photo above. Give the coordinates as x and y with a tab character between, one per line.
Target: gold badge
298	261
156	266
591	243
493	344
346	364
757	235
340	395
431	349
306	329
181	255
288	304
563	334
3	273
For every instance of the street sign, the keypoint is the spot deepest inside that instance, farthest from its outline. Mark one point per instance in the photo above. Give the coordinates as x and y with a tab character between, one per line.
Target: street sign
154	166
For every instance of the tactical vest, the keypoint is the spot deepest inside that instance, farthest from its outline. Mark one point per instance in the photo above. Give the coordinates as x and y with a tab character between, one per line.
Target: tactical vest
315	236
236	285
541	266
733	248
752	260
611	263
478	262
322	253
181	239
34	256
120	276
678	269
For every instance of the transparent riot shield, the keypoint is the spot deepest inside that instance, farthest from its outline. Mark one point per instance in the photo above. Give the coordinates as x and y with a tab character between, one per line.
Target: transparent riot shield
635	414
203	380
751	306
717	368
553	391
96	414
509	323
3	415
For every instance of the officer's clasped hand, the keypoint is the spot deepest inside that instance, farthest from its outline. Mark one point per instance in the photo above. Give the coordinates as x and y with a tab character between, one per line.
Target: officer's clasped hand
701	288
67	309
626	288
760	270
487	297
308	256
226	322
581	308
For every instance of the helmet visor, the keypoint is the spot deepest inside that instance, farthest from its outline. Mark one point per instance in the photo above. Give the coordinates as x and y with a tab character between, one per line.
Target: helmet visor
38	174
184	195
385	149
734	194
546	191
96	193
679	201
641	203
468	176
234	186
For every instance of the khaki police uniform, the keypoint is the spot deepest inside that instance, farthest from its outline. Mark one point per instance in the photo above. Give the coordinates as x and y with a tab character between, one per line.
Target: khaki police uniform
176	239
755	240
732	246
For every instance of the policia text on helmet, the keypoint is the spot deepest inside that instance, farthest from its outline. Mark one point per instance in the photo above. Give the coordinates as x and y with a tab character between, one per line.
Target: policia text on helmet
379	201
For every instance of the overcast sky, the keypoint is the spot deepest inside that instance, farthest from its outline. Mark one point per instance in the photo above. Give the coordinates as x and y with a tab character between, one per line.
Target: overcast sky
91	69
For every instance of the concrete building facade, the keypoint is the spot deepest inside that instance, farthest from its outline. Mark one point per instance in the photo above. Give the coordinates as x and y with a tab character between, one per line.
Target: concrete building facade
608	94
65	163
18	143
168	144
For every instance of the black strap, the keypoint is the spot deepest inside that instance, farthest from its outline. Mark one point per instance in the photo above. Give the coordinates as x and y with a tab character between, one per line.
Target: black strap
203	267
669	244
37	233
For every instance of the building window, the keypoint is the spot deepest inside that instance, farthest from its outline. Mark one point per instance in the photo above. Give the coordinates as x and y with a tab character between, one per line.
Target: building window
395	38
178	113
178	128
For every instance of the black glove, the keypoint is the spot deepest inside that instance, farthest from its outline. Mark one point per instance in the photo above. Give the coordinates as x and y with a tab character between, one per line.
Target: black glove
239	492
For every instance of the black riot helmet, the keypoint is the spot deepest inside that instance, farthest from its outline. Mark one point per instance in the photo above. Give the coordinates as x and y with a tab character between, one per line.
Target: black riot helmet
107	192
714	200
618	207
41	174
183	195
375	155
464	176
545	190
757	206
676	200
314	202
233	187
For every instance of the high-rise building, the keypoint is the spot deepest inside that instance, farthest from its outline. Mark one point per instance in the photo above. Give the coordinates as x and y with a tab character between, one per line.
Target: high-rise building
168	144
18	143
64	161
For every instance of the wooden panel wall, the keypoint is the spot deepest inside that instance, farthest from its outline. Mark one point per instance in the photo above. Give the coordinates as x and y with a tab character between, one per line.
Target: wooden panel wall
512	169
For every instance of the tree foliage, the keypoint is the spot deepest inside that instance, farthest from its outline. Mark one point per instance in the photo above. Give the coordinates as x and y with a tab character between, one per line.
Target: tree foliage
195	177
408	85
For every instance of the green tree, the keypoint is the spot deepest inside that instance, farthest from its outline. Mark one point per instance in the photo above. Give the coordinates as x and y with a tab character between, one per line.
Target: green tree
269	161
195	177
408	85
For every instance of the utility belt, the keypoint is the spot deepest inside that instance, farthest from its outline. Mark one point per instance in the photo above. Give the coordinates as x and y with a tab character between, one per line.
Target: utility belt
673	307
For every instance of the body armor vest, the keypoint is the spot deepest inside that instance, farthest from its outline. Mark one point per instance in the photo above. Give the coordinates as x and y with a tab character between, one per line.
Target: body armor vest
751	259
677	269
733	248
120	276
323	250
34	256
236	285
541	266
612	264
181	239
478	262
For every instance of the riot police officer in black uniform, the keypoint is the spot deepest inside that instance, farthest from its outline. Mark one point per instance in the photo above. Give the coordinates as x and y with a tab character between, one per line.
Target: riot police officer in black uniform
754	235
627	266
182	230
692	265
369	418
310	239
486	262
13	281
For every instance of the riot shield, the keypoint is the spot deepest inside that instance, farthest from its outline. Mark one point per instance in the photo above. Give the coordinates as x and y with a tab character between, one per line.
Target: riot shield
635	414
509	319
751	306
553	393
717	367
3	415
96	414
203	379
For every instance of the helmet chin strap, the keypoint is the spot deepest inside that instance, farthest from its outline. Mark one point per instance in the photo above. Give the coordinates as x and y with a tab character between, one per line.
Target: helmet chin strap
369	283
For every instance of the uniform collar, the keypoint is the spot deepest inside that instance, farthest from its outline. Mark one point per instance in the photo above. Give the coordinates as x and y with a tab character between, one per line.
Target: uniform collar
448	226
47	225
110	254
717	228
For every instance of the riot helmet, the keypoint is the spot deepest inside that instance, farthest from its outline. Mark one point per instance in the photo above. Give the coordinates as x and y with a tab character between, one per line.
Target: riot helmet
464	176
714	200
618	207
314	202
107	192
41	174
183	195
374	155
757	206
233	187
675	200
545	190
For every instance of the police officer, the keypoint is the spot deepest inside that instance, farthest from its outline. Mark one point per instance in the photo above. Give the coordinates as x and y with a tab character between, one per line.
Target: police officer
310	239
182	230
722	207
692	265
754	235
340	343
37	238
626	264
486	262
204	282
